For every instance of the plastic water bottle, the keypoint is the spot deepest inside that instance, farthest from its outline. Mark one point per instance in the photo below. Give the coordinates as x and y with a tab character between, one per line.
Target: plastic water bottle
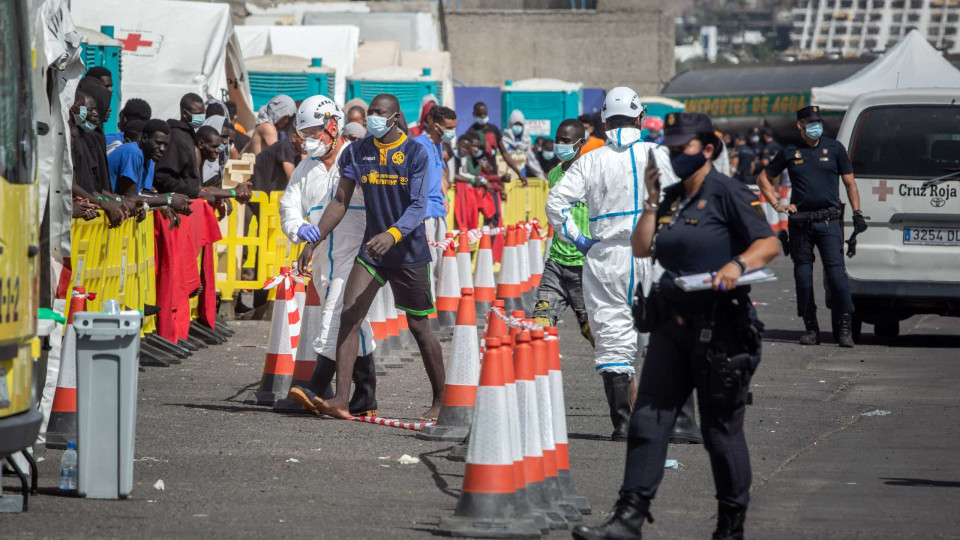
68	468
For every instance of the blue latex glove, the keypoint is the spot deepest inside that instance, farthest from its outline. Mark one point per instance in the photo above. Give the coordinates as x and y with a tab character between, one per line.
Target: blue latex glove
308	232
584	244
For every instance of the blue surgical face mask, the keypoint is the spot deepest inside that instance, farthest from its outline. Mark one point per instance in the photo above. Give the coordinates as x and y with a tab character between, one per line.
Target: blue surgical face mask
81	116
517	130
377	126
565	152
482	120
448	134
196	120
478	153
456	153
814	131
87	126
222	148
548	155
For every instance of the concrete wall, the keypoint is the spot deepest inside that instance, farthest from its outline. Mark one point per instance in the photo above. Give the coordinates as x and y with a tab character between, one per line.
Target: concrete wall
622	43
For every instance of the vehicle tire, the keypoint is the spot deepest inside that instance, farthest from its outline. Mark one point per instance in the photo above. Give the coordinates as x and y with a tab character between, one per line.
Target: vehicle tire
887	328
857	327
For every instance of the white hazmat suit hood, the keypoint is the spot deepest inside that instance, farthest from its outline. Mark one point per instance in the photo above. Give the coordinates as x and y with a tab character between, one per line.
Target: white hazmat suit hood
610	181
311	188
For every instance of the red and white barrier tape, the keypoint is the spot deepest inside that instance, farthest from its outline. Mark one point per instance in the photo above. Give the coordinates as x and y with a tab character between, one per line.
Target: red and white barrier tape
513	322
88	295
414	426
473	235
276	280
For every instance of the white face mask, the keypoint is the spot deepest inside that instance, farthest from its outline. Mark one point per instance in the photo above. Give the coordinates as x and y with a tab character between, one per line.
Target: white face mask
316	148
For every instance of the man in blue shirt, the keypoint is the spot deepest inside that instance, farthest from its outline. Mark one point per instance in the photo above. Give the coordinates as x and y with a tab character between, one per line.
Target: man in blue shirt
439	125
131	167
393	173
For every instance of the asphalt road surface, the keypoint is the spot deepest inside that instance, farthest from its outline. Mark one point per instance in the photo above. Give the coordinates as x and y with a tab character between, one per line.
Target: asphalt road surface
823	465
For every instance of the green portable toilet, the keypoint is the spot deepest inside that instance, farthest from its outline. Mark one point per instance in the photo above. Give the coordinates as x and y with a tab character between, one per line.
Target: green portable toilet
409	84
294	76
544	104
100	49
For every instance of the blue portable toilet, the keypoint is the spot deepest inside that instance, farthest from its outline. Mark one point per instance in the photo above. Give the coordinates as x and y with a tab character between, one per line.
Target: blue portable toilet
100	49
544	104
409	84
294	76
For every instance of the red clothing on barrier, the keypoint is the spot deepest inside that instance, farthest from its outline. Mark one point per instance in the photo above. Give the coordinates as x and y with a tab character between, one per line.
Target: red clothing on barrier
178	273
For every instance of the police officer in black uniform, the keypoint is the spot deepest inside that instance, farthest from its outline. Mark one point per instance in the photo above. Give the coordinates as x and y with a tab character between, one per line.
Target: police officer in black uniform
814	220
708	340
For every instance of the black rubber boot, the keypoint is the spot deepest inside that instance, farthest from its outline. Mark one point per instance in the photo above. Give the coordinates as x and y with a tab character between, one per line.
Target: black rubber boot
616	386
364	400
685	429
629	514
729	522
812	334
845	326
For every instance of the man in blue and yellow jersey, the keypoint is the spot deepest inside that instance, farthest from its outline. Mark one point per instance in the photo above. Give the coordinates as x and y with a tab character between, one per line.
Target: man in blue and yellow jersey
392	172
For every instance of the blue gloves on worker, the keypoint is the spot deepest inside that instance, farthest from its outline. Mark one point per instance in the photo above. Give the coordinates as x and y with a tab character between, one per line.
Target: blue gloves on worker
308	232
584	244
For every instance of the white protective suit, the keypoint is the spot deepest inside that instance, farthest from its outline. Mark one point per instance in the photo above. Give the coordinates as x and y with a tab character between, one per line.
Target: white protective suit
310	190
610	181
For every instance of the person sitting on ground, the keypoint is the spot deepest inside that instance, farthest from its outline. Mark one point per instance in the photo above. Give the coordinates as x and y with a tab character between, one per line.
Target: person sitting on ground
394	248
133	109
273	122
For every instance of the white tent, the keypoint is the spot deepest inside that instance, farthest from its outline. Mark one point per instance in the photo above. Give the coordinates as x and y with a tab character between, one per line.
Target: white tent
912	63
335	45
172	48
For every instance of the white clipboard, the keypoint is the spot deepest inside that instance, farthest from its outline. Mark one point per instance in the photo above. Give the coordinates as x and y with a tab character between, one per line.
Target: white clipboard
704	281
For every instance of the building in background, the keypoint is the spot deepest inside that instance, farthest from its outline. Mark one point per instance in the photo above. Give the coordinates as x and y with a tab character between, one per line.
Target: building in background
863	27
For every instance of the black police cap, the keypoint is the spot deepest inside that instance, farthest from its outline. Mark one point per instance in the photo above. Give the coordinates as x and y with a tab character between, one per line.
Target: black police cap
809	113
680	128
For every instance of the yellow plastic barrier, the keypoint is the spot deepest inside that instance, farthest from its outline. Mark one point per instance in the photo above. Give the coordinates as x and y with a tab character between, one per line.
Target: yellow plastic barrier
116	264
266	245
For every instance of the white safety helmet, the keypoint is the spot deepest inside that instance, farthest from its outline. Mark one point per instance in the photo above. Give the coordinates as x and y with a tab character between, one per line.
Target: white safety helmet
318	111
621	101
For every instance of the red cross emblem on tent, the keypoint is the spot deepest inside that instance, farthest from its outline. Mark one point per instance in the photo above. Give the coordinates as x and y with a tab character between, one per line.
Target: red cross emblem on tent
134	42
882	190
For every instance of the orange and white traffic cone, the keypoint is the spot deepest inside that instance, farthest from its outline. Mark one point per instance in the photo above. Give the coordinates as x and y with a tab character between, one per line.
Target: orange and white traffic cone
464	263
529	413
448	288
393	325
407	342
535	254
509	284
488	506
300	295
484	286
527	297
784	200
462	372
305	359
385	355
284	341
552	490
62	427
560	424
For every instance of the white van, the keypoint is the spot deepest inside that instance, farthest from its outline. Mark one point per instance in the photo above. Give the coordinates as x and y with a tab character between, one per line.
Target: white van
908	261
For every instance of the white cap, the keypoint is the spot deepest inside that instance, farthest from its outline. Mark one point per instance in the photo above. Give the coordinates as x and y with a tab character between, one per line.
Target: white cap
318	111
621	101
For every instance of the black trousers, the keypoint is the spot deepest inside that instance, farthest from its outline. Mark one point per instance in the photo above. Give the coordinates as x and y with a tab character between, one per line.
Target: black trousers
827	237
670	371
